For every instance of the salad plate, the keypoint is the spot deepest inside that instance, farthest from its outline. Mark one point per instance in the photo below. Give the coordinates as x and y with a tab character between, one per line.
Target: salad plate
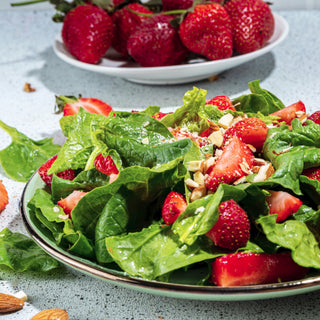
193	70
180	289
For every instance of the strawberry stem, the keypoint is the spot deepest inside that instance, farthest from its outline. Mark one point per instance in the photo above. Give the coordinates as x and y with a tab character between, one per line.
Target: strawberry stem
26	2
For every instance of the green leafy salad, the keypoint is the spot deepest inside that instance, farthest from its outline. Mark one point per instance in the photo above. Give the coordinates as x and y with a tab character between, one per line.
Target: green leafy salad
154	193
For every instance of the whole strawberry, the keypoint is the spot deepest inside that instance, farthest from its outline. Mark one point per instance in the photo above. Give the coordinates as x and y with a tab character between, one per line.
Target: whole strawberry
156	43
208	31
87	33
252	22
126	22
232	230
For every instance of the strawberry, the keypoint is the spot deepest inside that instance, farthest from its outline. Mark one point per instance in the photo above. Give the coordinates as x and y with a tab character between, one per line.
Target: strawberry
105	165
315	117
125	23
174	204
69	202
87	33
232	229
312	173
156	43
208	31
247	268
283	204
222	102
234	163
71	106
47	178
252	131
287	114
4	199
252	23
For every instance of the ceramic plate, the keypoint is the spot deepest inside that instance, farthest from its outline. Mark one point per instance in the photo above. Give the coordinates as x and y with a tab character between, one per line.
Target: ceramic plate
194	70
179	289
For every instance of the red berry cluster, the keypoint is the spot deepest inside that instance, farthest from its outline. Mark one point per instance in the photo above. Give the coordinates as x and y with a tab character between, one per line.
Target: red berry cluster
213	30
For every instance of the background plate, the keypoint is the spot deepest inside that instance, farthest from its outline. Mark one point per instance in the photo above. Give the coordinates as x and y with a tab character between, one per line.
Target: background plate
193	71
178	290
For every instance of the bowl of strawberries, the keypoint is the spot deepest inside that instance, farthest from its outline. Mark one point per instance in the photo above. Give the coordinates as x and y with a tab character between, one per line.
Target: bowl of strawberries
168	42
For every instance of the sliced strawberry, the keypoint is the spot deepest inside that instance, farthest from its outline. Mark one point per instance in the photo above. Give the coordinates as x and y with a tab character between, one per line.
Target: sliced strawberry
235	162
287	114
68	203
105	165
222	102
4	199
251	131
232	230
91	105
283	204
312	173
174	204
68	174
247	268
315	117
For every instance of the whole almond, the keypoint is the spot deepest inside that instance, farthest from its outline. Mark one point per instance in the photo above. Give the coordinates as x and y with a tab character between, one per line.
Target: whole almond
9	303
51	314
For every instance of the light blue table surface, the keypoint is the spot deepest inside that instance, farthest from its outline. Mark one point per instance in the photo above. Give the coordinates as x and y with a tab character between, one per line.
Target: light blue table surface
291	71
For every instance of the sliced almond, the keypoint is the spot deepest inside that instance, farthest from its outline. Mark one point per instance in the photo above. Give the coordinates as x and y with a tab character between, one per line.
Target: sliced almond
9	303
198	177
191	183
198	193
264	173
225	121
259	162
216	138
194	166
51	314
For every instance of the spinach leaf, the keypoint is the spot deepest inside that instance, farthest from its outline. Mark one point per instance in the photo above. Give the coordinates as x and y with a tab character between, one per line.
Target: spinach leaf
79	145
260	100
291	151
191	115
54	219
20	253
146	183
293	235
24	156
156	251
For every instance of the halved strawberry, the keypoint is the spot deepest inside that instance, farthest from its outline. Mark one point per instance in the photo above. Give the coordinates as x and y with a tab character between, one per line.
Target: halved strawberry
283	204
68	203
4	199
105	165
287	114
232	230
68	174
235	162
222	102
247	268
312	173
174	204
71	106
251	131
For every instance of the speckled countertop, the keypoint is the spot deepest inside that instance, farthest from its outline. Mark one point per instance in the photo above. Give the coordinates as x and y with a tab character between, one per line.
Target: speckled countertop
291	71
